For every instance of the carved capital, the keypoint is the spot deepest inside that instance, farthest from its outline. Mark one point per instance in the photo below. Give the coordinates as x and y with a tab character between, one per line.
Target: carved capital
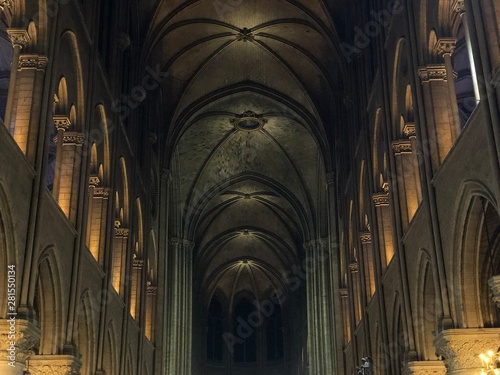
152	290
353	267
54	364
446	46
343	292
165	174
102	192
6	4
458	6
380	199
409	130
32	62
138	264
434	72
460	348
182	244
73	138
494	284
365	237
123	41
94	180
19	37
424	368
62	122
22	334
121	232
403	146
330	178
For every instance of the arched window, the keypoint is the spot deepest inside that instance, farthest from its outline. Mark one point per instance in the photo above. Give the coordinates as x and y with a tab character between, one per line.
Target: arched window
245	351
214	331
274	335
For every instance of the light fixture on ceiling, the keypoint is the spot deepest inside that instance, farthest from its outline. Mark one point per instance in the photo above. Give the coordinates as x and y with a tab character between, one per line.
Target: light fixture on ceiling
248	121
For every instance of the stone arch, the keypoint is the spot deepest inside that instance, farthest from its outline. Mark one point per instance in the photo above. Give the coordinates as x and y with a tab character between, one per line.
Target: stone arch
7	242
398	345
48	302
86	333
476	235
110	356
428	308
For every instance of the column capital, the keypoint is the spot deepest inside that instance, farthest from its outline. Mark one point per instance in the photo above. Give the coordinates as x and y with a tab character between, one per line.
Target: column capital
94	180
432	72
461	348
121	232
494	284
353	267
319	243
6	4
137	263
446	46
102	192
343	292
185	244
32	61
402	146
26	338
409	130
54	364
365	237
152	290
381	199
123	41
165	174
330	178
458	6
424	368
19	37
61	122
73	138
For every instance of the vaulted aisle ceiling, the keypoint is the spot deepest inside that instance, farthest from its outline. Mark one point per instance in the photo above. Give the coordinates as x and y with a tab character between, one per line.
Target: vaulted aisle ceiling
248	103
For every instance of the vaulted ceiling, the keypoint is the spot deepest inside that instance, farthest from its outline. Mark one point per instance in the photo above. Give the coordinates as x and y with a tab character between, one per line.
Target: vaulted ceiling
249	105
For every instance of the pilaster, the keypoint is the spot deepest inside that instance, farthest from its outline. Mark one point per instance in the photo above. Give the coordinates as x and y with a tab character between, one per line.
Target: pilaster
54	364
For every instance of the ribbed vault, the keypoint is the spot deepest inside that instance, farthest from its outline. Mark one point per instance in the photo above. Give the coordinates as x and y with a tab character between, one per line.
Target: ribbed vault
249	105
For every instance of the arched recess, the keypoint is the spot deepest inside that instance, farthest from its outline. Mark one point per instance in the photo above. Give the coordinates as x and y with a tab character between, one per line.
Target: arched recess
99	191
151	285
404	136
477	235
8	255
110	355
136	286
48	303
428	308
399	343
120	242
85	334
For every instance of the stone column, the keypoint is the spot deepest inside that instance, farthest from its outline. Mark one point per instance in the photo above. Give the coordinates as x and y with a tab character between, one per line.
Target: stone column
494	284
120	243
20	39
135	290
320	314
382	208
368	264
460	348
344	300
180	307
424	368
62	123
17	339
445	47
439	119
152	292
54	364
28	106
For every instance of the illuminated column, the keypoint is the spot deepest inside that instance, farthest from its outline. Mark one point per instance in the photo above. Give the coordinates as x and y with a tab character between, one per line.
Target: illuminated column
62	123
180	307
406	181
27	336
439	119
409	131
461	348
135	297
20	39
368	264
96	218
445	47
69	178
344	300
27	110
459	7
152	292
356	290
424	368
120	243
385	235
